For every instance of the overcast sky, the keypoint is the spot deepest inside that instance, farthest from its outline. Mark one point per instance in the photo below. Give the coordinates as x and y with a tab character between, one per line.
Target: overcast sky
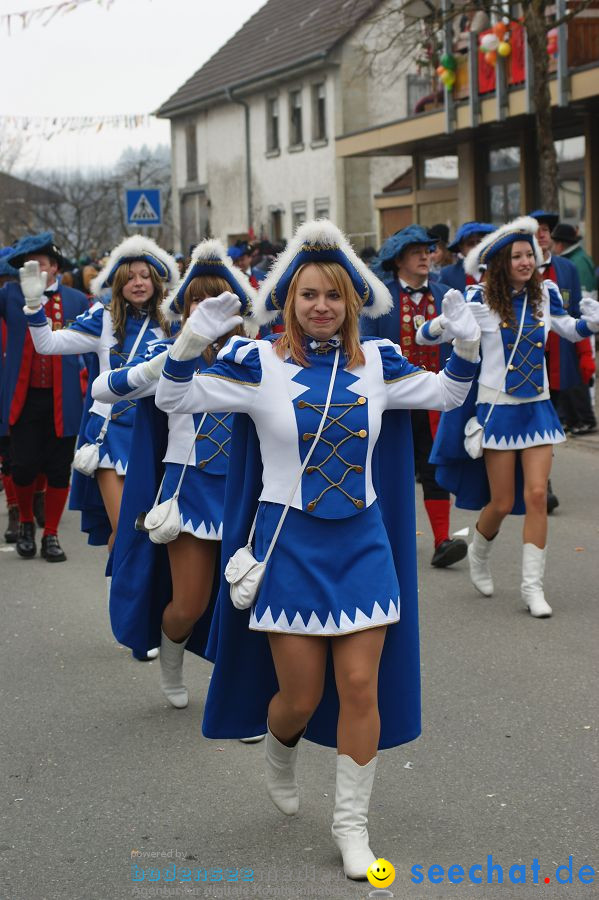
95	61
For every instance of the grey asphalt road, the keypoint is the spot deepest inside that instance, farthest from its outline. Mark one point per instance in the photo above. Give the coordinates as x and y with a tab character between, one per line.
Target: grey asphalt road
102	780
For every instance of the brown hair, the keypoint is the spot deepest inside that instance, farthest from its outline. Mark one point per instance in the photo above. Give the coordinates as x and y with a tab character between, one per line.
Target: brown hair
498	287
198	289
294	338
118	305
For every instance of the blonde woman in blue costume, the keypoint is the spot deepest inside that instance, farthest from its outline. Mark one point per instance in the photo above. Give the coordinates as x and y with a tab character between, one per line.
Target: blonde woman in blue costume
138	273
513	394
192	555
331	584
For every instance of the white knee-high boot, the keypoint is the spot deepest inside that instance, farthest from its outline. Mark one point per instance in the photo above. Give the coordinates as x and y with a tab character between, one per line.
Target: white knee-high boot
478	557
350	819
171	671
533	570
281	784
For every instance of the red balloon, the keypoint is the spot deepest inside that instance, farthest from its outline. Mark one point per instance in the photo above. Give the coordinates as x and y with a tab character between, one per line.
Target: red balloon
491	57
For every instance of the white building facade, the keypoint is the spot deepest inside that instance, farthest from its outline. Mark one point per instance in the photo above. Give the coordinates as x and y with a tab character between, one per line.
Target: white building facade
276	133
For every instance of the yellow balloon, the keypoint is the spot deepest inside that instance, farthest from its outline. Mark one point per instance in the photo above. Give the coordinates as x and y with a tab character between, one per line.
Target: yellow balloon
504	49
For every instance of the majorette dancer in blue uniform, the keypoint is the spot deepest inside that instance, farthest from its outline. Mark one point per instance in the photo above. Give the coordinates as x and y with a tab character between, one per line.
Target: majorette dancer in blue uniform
40	398
138	272
345	552
516	309
198	452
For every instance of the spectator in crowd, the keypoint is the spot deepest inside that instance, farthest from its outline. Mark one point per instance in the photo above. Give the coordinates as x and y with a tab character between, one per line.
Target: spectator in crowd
440	255
467	236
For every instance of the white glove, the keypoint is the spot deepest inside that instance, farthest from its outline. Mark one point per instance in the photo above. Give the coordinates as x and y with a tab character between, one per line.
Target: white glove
457	320
213	317
33	285
152	369
590	312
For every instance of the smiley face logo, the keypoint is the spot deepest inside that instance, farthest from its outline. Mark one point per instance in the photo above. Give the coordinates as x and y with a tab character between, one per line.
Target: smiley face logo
380	873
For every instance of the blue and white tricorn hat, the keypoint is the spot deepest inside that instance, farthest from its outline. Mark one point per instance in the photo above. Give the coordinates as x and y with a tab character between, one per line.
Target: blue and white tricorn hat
521	229
42	243
137	248
313	242
467	230
210	258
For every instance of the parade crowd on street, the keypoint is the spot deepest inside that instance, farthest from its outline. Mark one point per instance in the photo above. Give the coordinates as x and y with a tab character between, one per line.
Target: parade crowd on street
244	429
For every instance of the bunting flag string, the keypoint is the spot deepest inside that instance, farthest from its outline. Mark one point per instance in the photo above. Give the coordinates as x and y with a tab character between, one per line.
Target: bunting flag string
45	14
48	127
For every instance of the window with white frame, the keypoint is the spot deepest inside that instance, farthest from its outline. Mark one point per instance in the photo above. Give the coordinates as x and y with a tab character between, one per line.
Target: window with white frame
321	208
296	132
319	113
298	214
272	124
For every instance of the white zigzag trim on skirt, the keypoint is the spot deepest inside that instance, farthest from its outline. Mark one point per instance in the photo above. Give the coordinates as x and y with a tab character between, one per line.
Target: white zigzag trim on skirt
521	443
107	463
207	534
315	626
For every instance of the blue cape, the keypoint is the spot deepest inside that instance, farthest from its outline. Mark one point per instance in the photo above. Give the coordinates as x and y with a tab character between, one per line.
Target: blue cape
457	472
244	679
141	579
85	494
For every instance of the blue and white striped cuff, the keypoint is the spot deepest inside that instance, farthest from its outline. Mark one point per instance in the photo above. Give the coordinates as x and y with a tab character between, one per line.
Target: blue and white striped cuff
179	370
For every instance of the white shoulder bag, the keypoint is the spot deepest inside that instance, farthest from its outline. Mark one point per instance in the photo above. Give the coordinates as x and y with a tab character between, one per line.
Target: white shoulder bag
473	430
87	457
243	572
163	522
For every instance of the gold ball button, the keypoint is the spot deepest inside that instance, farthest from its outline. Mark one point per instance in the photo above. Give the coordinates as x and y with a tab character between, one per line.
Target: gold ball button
310	469
362	433
311	506
301	404
307	436
511	368
541	323
359	469
201	464
361	400
359	504
539	343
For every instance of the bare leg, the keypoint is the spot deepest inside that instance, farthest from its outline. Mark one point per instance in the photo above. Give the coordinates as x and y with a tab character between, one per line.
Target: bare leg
356	659
111	488
501	472
300	662
192	564
536	466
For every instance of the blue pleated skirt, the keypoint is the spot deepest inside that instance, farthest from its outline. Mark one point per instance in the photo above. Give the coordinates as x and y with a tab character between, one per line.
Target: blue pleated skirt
325	576
116	446
520	426
201	500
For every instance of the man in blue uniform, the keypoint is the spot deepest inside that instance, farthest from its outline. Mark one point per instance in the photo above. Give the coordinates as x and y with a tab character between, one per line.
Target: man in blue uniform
404	264
467	237
562	359
40	397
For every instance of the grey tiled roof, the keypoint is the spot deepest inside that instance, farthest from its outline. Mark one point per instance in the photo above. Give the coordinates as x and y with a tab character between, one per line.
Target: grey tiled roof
283	33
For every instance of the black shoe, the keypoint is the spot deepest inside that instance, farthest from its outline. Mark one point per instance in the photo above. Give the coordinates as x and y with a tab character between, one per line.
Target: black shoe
449	552
552	501
39	508
26	540
51	549
583	429
12	532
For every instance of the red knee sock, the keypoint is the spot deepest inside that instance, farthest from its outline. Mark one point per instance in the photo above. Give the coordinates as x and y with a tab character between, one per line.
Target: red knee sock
9	487
438	514
56	499
25	500
40	483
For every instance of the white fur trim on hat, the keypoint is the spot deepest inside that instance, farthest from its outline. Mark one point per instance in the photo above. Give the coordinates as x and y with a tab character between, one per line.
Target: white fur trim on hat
211	248
524	224
136	245
322	232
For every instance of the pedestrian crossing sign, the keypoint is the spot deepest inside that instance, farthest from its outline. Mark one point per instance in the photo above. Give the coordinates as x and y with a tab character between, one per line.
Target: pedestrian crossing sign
143	206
